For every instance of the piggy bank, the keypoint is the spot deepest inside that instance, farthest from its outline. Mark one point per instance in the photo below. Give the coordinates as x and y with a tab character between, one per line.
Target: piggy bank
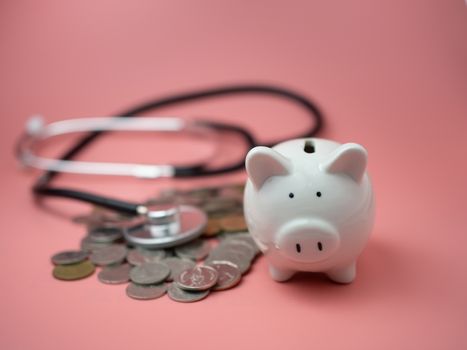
309	206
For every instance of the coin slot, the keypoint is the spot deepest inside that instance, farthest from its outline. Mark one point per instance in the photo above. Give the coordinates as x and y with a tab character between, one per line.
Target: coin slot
298	247
309	147
320	246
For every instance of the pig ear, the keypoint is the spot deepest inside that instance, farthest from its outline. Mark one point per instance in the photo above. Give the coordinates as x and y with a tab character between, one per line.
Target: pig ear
350	159
263	162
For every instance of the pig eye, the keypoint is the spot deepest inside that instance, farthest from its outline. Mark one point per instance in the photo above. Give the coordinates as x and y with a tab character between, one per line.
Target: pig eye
318	194
291	195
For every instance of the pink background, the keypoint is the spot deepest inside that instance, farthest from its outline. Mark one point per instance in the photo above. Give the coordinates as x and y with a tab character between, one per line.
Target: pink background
391	75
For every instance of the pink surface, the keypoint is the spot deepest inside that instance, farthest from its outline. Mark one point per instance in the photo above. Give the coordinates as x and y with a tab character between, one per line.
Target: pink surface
391	75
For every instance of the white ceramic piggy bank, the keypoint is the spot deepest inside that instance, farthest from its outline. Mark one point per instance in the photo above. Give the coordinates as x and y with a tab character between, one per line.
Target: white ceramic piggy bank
309	206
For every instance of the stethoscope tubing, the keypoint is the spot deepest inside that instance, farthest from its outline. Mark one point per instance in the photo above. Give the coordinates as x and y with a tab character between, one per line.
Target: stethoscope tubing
42	186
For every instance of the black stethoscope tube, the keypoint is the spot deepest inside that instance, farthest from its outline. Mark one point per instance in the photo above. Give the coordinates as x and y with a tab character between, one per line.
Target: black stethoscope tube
42	188
130	208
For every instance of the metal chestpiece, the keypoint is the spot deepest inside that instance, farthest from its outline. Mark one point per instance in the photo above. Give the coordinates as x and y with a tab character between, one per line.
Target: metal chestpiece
165	225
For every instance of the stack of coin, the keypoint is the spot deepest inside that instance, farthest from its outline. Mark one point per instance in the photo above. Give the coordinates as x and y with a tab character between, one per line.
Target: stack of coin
147	281
239	249
187	273
72	265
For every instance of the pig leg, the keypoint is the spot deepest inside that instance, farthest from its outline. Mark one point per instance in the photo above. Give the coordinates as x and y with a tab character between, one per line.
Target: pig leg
280	275
344	274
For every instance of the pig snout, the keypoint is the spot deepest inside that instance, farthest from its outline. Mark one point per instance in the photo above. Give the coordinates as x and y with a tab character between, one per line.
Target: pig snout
307	240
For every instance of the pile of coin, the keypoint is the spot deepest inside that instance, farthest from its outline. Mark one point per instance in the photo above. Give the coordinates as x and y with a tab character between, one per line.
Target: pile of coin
187	273
72	265
223	206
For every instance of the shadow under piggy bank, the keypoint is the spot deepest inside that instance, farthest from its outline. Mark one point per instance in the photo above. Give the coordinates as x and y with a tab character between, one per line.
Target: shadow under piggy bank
381	271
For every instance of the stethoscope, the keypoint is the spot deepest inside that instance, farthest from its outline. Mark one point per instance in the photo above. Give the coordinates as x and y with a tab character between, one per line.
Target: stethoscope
164	224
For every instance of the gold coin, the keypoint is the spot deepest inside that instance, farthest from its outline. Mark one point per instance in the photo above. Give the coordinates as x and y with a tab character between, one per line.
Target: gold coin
213	228
74	271
233	223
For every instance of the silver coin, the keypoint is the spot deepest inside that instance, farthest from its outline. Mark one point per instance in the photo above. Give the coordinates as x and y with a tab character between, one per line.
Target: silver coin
246	238
197	278
105	234
177	294
150	273
239	258
69	257
195	250
222	251
237	245
115	274
229	274
88	245
152	255
177	265
146	292
113	254
140	256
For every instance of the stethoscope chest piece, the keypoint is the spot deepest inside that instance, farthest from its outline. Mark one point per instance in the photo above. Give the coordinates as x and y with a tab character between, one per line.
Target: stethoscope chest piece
166	225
